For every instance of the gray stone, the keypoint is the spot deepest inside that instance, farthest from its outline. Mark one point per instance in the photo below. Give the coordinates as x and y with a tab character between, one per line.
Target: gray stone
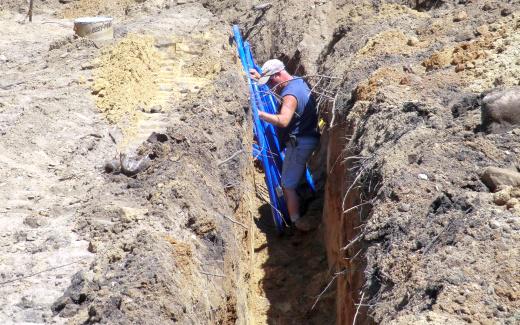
34	221
494	177
501	110
403	207
494	224
132	165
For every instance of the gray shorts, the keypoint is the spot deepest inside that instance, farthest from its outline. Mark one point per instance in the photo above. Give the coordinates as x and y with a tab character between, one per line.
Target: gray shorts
295	161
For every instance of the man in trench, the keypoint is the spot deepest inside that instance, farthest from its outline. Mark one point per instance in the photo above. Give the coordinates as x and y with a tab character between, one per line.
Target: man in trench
297	125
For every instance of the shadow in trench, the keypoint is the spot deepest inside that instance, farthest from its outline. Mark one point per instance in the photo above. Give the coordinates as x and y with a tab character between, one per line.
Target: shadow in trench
296	271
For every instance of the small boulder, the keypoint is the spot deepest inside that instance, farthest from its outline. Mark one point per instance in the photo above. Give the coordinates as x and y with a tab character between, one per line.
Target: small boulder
501	197
132	165
512	202
460	16
501	110
494	177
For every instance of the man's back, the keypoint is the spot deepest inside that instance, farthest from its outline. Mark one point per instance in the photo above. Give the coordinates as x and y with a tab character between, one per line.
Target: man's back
305	120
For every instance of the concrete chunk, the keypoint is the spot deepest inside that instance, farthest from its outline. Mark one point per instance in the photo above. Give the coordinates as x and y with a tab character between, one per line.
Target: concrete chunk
493	177
501	110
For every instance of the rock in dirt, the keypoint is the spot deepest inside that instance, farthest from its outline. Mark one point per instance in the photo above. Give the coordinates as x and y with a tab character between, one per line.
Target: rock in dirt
34	222
460	16
501	197
132	165
494	177
422	176
501	110
157	137
112	166
506	12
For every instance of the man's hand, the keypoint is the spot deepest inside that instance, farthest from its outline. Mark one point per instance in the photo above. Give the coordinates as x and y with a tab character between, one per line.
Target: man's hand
262	115
253	74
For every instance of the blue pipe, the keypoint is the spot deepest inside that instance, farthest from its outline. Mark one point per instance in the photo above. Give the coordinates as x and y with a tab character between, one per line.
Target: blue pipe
267	149
275	206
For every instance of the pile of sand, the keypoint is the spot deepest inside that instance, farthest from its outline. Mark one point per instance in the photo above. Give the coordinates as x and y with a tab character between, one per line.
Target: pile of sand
125	81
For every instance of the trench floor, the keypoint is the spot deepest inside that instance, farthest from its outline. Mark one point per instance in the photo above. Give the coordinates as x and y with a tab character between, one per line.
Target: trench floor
288	272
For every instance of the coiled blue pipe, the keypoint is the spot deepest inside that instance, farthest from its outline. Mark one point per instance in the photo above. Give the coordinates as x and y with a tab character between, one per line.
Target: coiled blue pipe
267	149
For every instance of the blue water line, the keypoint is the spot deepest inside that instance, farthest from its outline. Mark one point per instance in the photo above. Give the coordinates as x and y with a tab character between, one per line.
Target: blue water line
267	149
270	103
275	204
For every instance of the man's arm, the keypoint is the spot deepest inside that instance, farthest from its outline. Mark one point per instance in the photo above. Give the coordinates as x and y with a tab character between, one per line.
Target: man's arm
283	119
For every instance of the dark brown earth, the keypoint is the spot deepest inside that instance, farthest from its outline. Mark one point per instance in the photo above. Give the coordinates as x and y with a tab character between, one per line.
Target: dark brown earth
425	241
410	233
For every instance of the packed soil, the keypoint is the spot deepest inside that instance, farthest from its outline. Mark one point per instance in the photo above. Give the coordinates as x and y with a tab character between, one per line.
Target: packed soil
130	197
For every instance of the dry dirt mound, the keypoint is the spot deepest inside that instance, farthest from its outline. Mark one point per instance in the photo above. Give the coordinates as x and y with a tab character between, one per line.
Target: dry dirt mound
165	245
125	80
169	240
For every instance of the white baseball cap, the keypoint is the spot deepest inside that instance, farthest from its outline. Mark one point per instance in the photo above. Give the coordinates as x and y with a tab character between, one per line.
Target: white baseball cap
268	69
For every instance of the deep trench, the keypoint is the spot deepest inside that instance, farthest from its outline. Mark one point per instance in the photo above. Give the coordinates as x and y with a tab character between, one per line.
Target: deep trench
338	296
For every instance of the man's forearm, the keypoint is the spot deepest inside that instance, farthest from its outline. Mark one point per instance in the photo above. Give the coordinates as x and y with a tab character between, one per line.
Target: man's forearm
273	119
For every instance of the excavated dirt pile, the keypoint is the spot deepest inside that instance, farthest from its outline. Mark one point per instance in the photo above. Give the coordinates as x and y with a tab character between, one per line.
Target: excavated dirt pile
83	243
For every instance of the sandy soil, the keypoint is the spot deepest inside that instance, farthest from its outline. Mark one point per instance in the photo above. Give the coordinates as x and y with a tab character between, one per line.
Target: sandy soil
43	182
80	245
410	233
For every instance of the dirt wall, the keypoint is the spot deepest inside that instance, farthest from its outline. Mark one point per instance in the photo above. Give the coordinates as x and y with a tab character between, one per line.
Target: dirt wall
428	230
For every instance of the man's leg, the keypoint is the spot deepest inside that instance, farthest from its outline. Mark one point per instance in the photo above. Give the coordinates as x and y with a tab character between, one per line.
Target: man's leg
293	203
293	169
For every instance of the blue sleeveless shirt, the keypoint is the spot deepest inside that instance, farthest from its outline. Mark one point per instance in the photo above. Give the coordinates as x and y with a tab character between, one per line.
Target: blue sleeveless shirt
305	119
